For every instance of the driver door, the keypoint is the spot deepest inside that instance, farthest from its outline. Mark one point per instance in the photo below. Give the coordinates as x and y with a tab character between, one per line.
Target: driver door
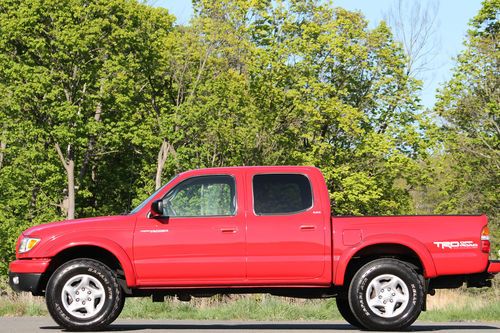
201	239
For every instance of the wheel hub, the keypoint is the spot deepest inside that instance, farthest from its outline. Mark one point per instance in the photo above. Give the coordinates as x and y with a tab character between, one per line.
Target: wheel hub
83	296
387	295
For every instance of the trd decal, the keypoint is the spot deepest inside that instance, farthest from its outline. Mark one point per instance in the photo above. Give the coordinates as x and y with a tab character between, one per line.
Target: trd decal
457	245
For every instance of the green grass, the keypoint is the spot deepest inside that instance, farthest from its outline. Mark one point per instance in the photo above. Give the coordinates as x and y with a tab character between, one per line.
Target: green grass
446	305
252	307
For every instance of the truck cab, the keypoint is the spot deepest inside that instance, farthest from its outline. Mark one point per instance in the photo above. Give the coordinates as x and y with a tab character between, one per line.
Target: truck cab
212	229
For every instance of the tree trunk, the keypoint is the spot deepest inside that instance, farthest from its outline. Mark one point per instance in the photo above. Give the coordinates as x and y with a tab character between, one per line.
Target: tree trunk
3	145
160	163
69	166
165	149
70	173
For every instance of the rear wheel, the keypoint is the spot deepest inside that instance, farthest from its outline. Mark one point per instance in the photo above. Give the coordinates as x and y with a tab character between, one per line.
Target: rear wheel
386	294
84	295
346	312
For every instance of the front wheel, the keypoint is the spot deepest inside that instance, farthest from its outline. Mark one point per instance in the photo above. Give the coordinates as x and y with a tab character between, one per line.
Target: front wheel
84	295
386	294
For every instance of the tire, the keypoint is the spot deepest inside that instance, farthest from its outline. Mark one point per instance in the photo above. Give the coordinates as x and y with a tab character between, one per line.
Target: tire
346	312
386	294
88	278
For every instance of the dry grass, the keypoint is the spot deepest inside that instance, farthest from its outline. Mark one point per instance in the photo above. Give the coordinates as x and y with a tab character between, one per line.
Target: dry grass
23	304
456	299
446	305
465	304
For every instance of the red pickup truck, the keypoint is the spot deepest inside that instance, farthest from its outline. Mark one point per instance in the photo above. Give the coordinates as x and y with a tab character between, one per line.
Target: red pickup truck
250	230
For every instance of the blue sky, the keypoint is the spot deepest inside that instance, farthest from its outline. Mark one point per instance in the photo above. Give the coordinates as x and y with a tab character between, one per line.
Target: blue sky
452	24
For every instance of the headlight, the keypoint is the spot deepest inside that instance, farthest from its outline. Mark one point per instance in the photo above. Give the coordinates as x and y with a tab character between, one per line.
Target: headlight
27	243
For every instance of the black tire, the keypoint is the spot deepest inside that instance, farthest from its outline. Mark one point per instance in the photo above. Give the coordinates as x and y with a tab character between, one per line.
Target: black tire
346	312
377	306
102	281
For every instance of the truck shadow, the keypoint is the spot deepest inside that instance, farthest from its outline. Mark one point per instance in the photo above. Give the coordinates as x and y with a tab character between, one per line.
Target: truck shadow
277	327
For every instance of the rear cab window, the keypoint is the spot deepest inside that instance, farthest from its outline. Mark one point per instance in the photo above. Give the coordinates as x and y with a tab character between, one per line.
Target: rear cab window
281	194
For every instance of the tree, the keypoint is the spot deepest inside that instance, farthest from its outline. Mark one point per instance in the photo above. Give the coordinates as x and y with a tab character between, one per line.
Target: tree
334	94
469	107
197	92
67	68
107	98
414	25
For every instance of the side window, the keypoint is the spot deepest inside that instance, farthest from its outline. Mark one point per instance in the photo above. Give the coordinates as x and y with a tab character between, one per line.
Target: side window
281	194
202	196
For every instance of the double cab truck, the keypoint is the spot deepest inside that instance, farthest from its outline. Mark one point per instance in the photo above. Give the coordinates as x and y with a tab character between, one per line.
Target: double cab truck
250	230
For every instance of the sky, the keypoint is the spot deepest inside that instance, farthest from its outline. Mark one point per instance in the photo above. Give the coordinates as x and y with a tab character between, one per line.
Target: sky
451	27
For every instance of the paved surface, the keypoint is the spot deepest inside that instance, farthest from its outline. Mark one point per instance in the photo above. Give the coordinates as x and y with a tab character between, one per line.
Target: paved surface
45	324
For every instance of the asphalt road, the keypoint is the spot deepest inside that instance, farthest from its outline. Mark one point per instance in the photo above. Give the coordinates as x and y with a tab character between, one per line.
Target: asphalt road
46	325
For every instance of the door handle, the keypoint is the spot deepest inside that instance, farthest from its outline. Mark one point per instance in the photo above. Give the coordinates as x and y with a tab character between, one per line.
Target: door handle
307	227
228	230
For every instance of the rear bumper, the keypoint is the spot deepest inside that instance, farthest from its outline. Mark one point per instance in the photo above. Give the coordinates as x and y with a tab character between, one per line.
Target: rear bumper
26	275
494	266
484	279
477	280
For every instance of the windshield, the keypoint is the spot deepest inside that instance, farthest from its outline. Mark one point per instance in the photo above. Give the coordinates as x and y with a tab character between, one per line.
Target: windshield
145	202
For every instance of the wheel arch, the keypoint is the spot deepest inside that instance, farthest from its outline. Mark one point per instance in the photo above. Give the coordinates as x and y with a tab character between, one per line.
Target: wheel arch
404	248
105	251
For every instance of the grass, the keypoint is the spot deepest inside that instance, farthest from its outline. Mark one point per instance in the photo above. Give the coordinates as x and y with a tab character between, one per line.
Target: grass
464	305
22	305
446	305
252	307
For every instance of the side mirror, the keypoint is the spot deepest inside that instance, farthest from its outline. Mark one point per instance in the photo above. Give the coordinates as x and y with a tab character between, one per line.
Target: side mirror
157	208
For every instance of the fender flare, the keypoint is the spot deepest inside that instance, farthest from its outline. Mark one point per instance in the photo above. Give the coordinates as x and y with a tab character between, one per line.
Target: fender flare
59	244
420	250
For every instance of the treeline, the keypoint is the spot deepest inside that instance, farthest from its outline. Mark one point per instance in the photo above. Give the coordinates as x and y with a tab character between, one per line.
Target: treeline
102	101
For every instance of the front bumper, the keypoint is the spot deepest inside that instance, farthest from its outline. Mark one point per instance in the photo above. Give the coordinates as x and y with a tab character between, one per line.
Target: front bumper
26	274
25	282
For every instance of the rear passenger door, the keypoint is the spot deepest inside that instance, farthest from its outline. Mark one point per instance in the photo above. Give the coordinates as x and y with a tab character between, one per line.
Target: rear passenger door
285	229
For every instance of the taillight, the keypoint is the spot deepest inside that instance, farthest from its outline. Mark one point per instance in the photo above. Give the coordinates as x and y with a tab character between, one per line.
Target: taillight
485	239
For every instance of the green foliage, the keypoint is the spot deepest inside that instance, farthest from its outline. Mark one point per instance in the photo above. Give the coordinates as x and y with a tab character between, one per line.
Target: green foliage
70	74
108	99
470	133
